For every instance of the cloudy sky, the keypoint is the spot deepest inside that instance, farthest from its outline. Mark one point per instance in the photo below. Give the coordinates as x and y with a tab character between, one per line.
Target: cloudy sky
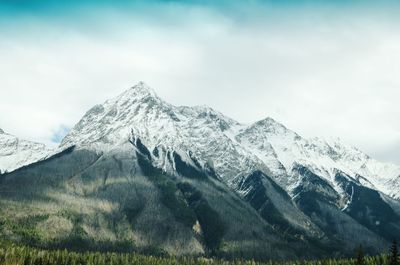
322	68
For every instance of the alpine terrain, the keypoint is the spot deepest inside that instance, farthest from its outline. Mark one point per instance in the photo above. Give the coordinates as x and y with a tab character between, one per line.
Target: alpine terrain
139	174
15	153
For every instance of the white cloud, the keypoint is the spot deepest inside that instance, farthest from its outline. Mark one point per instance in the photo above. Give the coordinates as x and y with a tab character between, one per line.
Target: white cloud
334	76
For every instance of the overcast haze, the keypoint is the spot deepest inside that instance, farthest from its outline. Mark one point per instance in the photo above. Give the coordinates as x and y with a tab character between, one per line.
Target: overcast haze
322	68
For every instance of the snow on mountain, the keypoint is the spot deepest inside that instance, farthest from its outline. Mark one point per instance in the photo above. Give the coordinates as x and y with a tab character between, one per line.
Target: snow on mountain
236	150
207	133
15	153
281	149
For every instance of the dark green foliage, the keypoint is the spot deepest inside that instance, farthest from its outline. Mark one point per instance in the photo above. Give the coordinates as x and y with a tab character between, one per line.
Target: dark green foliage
394	254
24	227
368	208
11	254
81	244
142	149
153	251
308	202
211	224
176	204
170	195
360	257
156	152
132	211
257	197
187	170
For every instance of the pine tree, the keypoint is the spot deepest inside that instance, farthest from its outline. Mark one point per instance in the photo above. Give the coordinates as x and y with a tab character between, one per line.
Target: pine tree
360	256
394	254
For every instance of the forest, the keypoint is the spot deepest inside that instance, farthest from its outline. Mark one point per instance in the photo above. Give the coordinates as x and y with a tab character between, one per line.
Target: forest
12	254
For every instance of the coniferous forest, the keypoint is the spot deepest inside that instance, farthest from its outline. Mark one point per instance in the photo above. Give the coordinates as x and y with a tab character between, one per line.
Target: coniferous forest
11	254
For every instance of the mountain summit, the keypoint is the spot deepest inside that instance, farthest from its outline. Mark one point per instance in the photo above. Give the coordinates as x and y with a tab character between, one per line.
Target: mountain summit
137	173
141	89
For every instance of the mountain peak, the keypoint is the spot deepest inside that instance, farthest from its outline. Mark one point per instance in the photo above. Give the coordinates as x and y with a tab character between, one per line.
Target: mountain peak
141	89
138	93
268	120
269	127
271	124
1	131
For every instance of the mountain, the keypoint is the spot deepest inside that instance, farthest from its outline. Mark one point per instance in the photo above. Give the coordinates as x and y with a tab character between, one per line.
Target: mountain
15	153
232	147
137	173
281	149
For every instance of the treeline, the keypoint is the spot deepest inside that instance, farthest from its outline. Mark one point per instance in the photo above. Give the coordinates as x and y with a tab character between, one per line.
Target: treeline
11	254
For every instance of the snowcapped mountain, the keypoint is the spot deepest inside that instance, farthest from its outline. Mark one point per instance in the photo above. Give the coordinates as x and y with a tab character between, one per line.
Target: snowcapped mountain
282	149
140	173
207	133
15	153
234	149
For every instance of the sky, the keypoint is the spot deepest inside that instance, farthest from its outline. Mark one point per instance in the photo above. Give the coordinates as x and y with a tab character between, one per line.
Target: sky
322	68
